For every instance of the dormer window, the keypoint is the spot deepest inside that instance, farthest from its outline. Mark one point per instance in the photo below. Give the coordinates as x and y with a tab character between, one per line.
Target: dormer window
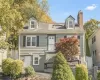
70	24
32	24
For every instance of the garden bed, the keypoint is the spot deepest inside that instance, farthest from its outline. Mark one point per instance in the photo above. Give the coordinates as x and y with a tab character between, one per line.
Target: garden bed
39	76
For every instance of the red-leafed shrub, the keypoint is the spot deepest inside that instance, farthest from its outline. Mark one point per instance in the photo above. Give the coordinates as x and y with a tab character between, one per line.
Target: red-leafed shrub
68	46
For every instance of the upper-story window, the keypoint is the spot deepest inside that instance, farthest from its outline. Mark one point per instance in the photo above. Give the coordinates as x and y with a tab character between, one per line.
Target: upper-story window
32	24
70	24
30	40
93	39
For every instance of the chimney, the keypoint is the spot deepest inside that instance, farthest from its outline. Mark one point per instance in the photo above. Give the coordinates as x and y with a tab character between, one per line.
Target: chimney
80	19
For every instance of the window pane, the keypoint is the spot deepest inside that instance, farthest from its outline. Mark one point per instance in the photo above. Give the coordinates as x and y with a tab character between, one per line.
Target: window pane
70	24
32	24
36	58
36	62
28	41
33	41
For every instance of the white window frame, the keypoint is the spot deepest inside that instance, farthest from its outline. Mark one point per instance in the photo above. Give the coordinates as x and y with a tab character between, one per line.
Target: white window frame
30	24
36	56
69	36
69	26
31	40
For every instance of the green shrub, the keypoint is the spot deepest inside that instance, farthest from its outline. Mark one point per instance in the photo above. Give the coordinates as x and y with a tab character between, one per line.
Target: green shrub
81	72
12	67
61	69
29	71
90	77
6	66
98	75
16	68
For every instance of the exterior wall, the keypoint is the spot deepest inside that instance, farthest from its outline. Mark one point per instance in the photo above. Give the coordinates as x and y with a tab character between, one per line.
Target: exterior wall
41	50
97	47
68	19
89	62
39	67
14	54
42	40
43	44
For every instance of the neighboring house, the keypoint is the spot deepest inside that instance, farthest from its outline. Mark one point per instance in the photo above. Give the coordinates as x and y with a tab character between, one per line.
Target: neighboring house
94	45
37	40
3	51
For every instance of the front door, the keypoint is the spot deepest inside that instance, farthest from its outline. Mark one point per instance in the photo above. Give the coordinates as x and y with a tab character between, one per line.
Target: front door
27	61
51	43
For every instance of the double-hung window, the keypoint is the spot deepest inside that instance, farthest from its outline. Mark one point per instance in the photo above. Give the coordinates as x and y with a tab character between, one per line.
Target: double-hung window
30	40
32	24
70	24
35	59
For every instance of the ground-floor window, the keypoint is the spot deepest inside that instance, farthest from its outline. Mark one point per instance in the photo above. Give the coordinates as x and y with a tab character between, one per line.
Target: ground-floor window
35	59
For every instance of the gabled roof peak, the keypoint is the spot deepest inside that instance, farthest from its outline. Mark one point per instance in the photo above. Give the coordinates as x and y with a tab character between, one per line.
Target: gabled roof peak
70	16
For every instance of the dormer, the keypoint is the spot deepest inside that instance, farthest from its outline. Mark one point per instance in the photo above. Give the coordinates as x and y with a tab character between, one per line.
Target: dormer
33	24
70	22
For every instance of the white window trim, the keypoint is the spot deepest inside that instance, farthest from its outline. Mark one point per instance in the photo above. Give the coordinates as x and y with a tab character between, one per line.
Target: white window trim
34	58
69	26
31	40
69	36
30	24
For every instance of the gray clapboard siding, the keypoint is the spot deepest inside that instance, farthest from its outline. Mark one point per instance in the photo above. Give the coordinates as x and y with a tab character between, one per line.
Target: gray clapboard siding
59	36
81	45
42	40
40	67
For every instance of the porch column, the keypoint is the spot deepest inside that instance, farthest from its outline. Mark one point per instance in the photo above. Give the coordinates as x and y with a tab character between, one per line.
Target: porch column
83	52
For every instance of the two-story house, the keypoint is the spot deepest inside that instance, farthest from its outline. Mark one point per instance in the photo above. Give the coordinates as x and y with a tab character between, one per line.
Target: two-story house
94	46
37	40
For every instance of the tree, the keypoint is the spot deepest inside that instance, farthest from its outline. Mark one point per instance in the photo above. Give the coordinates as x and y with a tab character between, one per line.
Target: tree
15	13
11	20
81	72
61	69
90	26
68	47
39	9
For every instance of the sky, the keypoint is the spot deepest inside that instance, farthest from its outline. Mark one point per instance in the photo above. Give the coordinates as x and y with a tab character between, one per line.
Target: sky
61	9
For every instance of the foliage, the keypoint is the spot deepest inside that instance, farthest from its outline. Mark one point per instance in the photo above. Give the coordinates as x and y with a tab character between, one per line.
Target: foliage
12	67
29	71
61	69
3	44
16	68
90	77
68	46
90	26
98	75
87	48
81	72
15	13
6	66
34	8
